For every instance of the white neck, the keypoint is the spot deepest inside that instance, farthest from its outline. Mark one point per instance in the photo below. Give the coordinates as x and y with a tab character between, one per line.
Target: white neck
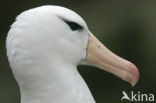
60	84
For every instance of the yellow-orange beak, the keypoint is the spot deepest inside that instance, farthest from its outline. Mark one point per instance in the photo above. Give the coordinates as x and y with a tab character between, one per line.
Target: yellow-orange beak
100	56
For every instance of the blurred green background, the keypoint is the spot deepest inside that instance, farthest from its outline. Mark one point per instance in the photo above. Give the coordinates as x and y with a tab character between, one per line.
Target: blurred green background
127	27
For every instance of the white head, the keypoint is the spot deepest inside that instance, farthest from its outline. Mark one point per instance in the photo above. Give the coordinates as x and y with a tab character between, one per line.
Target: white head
57	31
45	41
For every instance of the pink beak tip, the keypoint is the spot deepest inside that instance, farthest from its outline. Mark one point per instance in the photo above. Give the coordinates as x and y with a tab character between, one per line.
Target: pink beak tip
135	72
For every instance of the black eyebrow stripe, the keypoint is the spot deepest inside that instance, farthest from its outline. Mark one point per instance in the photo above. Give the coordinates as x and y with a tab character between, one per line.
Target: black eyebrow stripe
79	27
74	25
68	21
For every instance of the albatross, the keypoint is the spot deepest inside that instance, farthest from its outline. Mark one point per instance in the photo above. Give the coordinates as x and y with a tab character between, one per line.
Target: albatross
44	47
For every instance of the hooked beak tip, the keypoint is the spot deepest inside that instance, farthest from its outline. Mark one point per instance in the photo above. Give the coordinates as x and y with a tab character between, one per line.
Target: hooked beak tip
135	73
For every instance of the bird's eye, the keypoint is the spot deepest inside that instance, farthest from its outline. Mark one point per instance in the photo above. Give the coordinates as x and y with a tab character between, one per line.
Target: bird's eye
74	26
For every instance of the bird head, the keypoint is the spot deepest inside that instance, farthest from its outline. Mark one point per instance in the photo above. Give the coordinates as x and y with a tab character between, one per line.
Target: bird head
56	34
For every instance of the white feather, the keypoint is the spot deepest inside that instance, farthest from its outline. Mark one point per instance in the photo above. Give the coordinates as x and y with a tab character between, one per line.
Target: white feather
43	53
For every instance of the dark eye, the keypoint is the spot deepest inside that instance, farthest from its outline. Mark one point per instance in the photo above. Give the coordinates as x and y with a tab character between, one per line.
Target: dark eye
74	26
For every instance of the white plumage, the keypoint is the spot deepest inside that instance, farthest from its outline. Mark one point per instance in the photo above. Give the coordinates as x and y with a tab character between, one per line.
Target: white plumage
44	51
